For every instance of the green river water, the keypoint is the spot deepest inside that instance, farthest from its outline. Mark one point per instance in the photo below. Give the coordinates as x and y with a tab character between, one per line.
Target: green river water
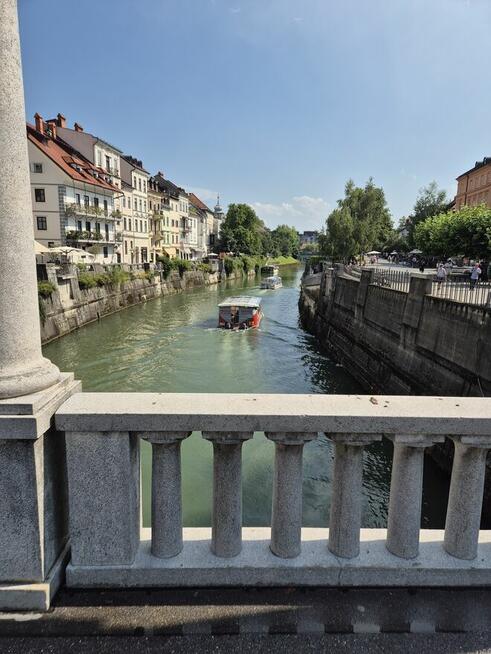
172	345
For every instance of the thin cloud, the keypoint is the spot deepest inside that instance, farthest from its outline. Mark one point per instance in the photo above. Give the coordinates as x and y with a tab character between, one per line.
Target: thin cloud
301	211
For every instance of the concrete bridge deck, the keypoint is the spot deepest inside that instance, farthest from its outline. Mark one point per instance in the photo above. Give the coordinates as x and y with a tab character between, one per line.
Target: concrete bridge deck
255	620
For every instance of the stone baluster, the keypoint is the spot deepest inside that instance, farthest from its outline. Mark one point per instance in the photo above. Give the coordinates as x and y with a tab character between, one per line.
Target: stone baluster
465	496
345	519
286	521
406	491
23	369
226	539
166	492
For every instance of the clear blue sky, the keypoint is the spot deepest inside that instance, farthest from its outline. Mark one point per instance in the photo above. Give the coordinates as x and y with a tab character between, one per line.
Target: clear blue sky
272	102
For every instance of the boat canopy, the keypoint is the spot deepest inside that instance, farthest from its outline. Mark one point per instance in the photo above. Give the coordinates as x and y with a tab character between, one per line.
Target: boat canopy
242	301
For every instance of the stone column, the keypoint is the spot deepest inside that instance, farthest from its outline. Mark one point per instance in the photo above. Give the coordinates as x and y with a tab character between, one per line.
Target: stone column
465	496
23	369
286	521
406	491
166	492
226	533
345	519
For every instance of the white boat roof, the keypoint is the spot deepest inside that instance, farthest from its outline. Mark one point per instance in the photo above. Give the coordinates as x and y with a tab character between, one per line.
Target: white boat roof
241	301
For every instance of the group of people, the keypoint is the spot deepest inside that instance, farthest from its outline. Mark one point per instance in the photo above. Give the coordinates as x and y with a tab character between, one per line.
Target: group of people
444	269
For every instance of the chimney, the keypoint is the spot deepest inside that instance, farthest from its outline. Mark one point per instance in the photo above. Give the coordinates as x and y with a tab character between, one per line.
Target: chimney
39	123
77	127
161	174
51	128
61	120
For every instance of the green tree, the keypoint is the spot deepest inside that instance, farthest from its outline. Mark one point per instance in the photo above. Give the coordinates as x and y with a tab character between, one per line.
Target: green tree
287	240
431	201
360	223
241	230
465	232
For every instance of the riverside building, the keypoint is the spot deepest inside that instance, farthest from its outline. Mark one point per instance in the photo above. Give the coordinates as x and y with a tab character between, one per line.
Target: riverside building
134	209
73	199
474	186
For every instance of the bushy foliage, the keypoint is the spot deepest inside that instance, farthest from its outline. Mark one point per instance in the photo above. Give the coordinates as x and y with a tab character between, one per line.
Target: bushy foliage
360	222
86	280
465	232
45	289
182	266
166	265
205	267
431	201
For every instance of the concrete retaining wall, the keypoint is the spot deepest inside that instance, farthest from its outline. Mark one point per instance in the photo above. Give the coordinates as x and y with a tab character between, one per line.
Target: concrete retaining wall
70	307
396	342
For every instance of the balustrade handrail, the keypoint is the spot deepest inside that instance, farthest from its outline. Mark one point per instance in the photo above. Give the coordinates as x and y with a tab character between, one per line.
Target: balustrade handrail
266	412
102	440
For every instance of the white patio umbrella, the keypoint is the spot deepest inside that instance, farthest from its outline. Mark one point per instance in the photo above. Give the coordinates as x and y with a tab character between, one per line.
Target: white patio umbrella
416	251
395	252
39	248
74	254
373	252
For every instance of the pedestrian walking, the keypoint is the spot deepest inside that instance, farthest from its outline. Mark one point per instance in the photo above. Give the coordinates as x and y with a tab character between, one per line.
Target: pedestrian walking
441	274
475	274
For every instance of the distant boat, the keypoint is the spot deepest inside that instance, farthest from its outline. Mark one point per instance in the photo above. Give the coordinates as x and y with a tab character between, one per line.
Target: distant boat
240	313
272	283
271	270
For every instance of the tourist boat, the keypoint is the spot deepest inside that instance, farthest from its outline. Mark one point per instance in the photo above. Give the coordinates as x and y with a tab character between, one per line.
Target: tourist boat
272	283
270	270
240	313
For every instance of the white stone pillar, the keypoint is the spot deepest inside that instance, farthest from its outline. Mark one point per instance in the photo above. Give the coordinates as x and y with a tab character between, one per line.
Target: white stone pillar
345	519
166	492
23	369
286	519
226	538
406	491
465	496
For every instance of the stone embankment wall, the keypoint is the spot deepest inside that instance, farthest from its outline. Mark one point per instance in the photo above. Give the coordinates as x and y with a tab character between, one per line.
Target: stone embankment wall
401	343
70	307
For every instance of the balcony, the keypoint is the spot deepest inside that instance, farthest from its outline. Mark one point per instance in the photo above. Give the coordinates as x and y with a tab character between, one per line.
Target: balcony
75	236
109	549
90	210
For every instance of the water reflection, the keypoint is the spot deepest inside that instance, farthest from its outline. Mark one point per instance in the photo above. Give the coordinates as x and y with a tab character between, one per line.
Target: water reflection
172	345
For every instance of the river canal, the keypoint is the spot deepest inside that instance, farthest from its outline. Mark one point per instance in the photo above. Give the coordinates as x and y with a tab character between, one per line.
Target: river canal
172	345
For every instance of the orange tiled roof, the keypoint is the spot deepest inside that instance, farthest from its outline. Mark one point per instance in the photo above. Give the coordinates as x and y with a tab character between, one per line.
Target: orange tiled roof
194	199
65	157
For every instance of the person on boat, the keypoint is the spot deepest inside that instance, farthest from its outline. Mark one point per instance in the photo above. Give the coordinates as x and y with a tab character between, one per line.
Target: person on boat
255	318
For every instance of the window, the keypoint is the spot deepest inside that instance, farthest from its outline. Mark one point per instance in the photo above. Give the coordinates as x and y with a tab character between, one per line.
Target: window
108	163
139	184
86	200
51	244
87	226
79	225
140	203
36	168
105	207
126	247
144	186
106	229
42	223
150	204
129	224
124	202
105	251
39	195
77	199
96	202
141	225
125	223
144	205
134	181
98	228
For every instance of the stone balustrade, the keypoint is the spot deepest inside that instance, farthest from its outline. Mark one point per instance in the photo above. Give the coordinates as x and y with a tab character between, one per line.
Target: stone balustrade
110	548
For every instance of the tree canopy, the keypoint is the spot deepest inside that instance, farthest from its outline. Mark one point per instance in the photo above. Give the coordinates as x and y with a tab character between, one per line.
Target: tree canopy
465	232
243	232
360	222
431	201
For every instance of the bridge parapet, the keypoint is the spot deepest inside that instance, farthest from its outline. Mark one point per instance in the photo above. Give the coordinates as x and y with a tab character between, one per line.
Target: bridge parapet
110	549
